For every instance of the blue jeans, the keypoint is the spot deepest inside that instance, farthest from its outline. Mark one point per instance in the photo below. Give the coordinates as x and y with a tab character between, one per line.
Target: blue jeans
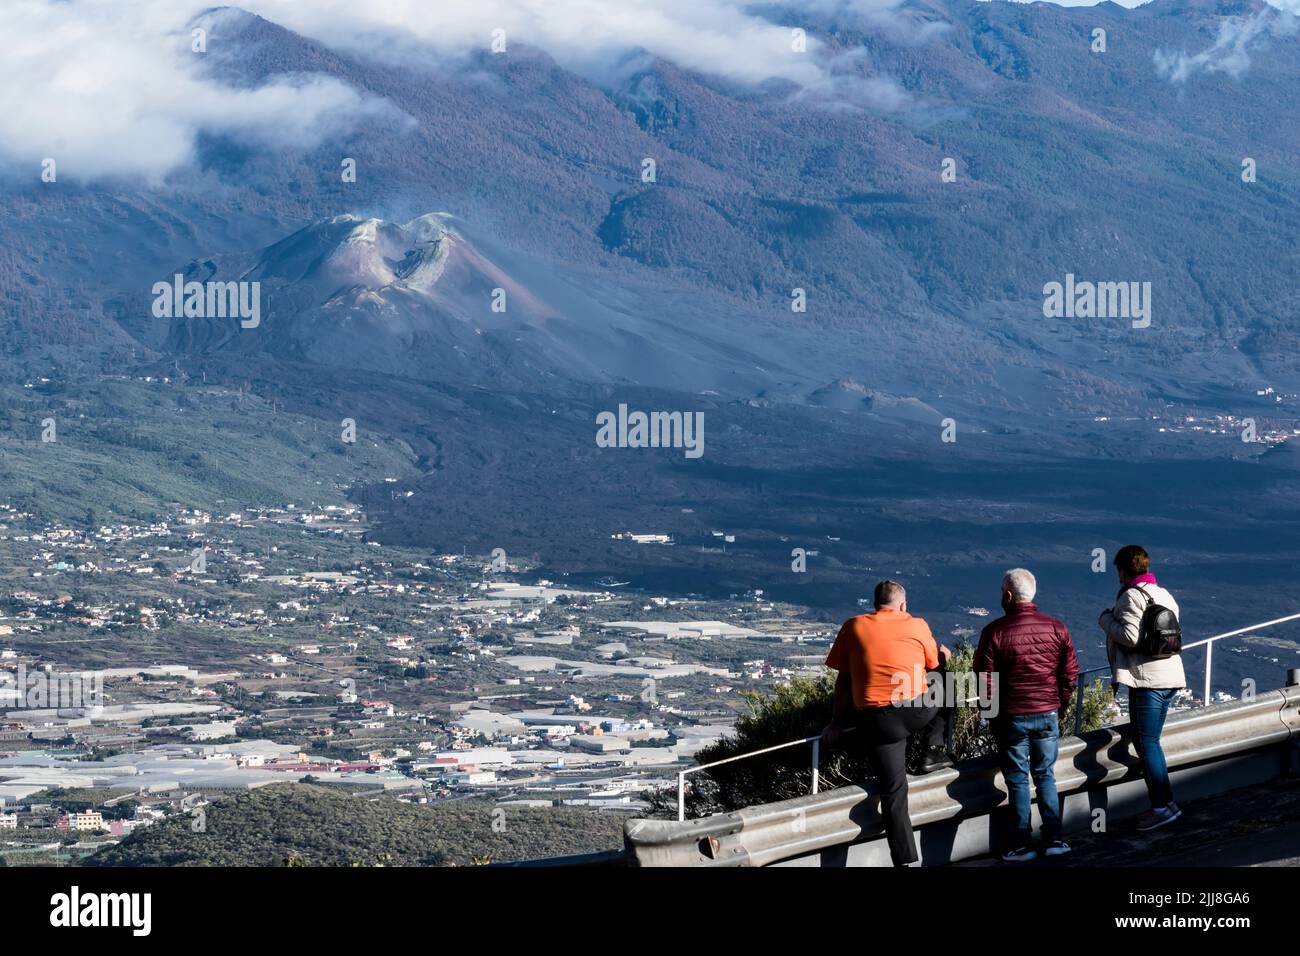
1147	708
1029	743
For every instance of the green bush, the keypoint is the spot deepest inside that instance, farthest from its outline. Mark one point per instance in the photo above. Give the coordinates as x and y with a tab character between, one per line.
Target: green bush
801	708
293	824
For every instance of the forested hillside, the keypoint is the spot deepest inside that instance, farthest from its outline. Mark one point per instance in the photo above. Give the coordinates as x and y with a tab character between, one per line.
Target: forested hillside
301	824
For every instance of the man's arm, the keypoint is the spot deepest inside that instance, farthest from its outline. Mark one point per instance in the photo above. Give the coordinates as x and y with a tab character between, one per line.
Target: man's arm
843	698
983	663
936	656
842	706
1067	672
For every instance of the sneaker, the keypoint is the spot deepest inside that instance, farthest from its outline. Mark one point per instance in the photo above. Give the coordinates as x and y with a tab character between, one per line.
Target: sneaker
1158	817
935	758
1021	854
1057	848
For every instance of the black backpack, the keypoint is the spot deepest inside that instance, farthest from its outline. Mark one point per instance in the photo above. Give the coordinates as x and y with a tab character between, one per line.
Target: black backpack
1159	634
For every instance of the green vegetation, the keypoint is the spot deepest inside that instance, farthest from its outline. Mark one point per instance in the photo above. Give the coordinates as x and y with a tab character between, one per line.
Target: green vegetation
801	708
126	448
303	825
82	799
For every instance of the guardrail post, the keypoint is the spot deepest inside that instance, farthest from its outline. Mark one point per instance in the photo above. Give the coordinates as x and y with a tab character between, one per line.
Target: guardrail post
681	797
1293	680
1209	657
816	763
1078	708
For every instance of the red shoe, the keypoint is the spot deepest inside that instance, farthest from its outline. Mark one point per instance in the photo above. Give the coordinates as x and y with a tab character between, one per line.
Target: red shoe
1154	819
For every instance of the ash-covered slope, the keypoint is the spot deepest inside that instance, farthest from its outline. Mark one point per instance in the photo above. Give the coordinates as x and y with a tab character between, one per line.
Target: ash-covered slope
1120	166
421	300
412	299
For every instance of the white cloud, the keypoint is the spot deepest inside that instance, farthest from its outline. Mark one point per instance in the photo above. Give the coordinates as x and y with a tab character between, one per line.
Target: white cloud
715	36
595	37
111	87
1236	39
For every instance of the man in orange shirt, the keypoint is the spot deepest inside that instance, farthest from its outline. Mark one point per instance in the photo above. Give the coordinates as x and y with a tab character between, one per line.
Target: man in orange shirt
883	660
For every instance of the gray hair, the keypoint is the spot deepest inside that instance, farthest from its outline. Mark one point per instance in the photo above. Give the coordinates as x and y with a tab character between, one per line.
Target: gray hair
1020	583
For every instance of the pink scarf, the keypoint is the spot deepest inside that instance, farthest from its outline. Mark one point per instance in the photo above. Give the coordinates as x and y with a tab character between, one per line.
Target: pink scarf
1147	578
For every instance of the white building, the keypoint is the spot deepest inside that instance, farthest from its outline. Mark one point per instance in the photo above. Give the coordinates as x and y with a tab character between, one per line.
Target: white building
466	779
603	744
480	757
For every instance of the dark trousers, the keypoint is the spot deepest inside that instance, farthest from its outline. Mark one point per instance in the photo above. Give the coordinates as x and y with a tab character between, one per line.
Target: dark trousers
885	731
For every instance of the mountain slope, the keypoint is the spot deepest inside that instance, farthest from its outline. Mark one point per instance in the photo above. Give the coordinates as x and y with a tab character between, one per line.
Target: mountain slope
1115	166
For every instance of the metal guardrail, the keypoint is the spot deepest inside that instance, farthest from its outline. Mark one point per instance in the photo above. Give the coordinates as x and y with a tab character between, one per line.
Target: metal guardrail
770	833
815	741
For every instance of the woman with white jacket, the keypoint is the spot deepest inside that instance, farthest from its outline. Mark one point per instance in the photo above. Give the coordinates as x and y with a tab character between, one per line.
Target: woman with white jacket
1152	682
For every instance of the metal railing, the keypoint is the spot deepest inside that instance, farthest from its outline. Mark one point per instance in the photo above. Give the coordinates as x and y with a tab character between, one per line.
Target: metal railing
1208	644
815	740
1078	694
1221	748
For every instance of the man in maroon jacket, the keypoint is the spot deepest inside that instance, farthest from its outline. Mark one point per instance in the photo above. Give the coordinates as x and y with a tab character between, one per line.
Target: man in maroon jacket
1029	669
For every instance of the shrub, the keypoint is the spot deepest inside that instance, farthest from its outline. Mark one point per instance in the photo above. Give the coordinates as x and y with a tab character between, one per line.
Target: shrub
801	708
